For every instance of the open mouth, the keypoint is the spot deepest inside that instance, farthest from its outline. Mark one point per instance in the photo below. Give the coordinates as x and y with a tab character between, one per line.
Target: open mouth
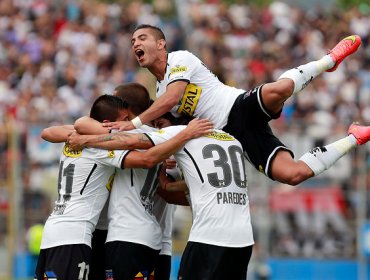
139	54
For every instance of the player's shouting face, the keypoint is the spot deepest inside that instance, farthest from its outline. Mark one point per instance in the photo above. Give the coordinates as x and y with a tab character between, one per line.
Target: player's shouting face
146	45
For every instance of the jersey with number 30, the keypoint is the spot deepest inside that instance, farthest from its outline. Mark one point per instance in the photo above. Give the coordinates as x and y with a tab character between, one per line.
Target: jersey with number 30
214	171
82	193
205	96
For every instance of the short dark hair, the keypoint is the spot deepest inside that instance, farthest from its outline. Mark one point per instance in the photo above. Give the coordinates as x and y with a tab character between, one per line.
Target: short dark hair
107	107
181	120
136	95
158	33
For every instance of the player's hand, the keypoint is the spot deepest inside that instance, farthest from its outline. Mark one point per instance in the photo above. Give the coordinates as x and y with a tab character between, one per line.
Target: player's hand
169	163
198	127
120	125
76	141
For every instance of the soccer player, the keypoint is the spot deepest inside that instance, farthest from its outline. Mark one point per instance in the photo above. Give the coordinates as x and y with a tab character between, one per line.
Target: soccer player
214	169
65	249
186	86
127	243
214	172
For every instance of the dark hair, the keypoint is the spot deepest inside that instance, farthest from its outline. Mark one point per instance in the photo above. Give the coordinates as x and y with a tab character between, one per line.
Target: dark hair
182	120
136	95
158	33
107	107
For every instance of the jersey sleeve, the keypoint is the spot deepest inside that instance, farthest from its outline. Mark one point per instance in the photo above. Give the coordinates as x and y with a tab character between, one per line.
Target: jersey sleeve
164	134
182	66
111	158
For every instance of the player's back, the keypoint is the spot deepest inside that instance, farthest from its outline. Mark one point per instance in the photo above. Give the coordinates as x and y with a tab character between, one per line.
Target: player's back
130	211
214	170
82	193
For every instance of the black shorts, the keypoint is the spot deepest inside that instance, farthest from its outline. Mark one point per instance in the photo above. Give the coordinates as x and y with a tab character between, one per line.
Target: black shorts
162	269
126	261
209	262
97	264
248	122
68	262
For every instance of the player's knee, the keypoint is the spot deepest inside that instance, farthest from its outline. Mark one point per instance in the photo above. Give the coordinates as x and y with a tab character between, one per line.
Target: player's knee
284	87
295	176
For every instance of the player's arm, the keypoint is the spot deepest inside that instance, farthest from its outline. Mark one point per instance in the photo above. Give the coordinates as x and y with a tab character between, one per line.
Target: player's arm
57	133
160	106
113	141
87	125
165	102
158	153
130	141
173	197
172	191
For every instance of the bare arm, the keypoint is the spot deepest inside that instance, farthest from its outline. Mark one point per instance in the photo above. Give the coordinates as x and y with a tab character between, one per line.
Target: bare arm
87	125
164	103
161	106
112	141
158	153
57	134
170	195
130	141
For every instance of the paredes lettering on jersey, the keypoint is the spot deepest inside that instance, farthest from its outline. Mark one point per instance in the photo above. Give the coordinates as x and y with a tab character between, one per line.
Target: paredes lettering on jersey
231	198
189	100
68	152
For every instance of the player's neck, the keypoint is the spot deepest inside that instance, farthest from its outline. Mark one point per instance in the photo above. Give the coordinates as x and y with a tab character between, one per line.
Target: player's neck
158	69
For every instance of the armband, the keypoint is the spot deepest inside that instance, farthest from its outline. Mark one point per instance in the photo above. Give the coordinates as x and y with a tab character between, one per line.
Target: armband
137	122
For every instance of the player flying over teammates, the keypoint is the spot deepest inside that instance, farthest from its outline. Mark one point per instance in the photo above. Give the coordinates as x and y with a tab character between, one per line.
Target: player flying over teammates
186	86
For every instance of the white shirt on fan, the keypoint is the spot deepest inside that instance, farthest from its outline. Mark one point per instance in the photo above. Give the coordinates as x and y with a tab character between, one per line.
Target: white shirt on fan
205	96
214	171
82	194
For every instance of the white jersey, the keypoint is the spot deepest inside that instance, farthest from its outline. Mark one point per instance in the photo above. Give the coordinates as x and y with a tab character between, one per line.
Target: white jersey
82	194
205	96
164	212
214	171
130	210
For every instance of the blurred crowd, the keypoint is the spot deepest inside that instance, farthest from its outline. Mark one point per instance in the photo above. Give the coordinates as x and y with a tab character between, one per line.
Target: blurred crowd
57	56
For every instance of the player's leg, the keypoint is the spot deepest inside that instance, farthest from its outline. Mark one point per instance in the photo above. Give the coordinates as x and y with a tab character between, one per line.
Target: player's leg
127	260
64	262
163	268
294	80
286	170
97	265
204	261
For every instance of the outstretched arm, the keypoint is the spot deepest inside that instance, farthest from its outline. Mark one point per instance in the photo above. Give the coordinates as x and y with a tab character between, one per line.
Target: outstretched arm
161	106
113	141
57	134
87	125
130	141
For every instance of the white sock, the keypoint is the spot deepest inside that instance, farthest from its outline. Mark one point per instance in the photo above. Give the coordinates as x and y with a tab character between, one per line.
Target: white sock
304	74
321	158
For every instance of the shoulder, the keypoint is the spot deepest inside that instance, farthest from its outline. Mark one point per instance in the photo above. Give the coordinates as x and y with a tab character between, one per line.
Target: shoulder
181	54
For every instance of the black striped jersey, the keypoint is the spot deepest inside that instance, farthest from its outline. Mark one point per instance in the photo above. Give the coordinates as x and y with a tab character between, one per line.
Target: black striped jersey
131	202
82	194
206	96
214	171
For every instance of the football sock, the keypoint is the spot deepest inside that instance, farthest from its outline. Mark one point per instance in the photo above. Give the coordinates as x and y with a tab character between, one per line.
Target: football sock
321	158
304	74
